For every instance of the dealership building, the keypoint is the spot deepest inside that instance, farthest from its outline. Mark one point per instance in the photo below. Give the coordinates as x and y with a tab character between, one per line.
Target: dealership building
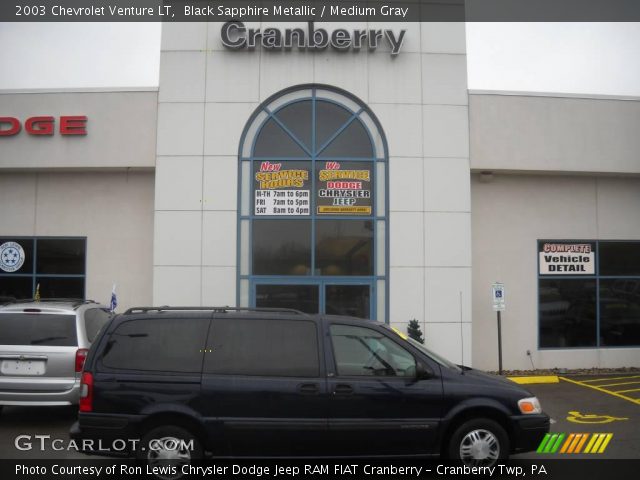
335	168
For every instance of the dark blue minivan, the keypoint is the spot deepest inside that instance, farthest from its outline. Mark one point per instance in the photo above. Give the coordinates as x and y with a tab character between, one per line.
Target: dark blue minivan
228	382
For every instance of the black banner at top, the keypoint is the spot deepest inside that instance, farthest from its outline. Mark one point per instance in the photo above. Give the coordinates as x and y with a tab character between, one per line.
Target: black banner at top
320	10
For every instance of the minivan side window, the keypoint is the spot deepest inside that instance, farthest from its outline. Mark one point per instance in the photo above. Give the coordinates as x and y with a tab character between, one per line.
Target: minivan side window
366	352
94	320
262	347
173	345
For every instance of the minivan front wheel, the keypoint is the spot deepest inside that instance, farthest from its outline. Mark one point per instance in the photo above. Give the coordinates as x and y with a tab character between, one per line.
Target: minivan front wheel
480	442
170	447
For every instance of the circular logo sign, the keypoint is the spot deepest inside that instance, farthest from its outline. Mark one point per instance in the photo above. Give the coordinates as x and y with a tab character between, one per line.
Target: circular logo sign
11	257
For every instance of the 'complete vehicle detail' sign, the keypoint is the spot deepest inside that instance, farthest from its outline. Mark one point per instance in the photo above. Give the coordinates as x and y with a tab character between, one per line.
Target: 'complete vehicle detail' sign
566	259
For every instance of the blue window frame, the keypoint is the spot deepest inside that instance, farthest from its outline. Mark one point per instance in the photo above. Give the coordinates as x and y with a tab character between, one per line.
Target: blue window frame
56	264
588	293
313	205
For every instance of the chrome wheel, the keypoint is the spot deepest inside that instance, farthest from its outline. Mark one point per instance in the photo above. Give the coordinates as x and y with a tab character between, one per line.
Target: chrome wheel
168	452
479	448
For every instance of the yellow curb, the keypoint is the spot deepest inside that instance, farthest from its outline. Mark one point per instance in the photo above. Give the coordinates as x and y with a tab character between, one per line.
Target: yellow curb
535	379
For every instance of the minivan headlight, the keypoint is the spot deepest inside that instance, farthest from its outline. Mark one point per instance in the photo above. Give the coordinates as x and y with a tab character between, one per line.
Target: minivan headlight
529	405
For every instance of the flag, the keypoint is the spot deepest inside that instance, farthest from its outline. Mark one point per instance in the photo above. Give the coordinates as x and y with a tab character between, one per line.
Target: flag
36	297
114	299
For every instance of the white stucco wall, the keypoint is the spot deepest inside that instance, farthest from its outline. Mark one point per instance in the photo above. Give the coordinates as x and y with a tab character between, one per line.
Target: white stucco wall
510	213
206	97
121	130
114	210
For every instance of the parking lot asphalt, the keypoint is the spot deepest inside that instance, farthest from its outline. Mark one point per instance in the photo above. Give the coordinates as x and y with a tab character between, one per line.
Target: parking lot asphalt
52	421
595	405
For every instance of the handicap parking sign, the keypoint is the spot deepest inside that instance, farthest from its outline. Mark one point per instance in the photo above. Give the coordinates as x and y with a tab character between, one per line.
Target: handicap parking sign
497	296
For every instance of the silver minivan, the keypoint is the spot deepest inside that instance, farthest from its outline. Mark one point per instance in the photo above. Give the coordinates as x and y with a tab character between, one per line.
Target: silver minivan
43	346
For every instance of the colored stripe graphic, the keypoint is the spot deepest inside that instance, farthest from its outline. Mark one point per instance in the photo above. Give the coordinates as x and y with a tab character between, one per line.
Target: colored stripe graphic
551	442
567	443
572	448
606	442
581	443
573	443
556	446
590	444
543	443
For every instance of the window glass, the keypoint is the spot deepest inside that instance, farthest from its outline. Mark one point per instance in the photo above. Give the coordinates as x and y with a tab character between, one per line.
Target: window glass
261	347
352	300
16	256
363	351
329	119
308	180
61	287
158	344
297	117
12	287
60	256
94	320
38	329
273	141
619	258
299	297
281	247
59	265
567	309
620	312
344	247
352	142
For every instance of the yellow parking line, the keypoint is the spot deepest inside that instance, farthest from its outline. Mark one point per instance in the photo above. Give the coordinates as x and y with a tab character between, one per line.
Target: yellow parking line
607	379
616	384
627	391
624	397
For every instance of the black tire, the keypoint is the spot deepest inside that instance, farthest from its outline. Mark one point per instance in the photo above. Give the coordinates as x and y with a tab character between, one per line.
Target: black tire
485	441
169	445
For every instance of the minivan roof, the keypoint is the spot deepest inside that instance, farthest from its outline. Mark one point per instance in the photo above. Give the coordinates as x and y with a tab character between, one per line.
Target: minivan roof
233	312
49	304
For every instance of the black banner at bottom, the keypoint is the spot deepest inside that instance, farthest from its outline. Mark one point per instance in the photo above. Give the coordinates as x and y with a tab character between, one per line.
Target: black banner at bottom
286	469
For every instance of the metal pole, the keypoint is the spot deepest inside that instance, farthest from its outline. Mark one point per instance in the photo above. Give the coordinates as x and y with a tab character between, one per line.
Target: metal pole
499	344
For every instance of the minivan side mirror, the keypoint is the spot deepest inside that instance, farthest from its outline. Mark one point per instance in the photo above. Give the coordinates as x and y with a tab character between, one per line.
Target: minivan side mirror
422	371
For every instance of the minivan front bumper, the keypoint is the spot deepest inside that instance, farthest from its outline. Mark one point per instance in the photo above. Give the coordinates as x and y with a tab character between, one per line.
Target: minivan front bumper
528	431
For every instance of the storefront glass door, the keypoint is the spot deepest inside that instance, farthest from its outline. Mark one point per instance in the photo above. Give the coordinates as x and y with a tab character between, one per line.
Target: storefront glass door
354	299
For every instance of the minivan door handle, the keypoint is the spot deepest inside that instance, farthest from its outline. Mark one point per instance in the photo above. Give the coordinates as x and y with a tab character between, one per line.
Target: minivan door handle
343	389
309	388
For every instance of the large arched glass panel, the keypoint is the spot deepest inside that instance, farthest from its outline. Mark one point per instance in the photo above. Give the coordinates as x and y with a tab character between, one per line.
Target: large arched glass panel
312	219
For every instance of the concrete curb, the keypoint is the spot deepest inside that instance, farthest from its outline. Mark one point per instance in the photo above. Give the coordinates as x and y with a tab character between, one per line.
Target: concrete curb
535	379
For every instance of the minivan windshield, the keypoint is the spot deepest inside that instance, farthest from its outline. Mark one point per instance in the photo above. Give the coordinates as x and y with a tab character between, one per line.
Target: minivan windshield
434	356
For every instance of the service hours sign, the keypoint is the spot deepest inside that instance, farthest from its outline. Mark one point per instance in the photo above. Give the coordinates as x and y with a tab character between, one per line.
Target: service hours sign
282	188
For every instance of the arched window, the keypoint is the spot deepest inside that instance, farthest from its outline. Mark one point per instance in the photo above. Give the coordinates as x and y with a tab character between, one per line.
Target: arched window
312	217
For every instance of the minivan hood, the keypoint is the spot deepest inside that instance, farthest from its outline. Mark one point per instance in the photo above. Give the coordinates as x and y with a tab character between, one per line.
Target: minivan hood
502	382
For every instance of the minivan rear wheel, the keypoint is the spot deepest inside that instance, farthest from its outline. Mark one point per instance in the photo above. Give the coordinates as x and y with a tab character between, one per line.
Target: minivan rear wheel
169	446
480	442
